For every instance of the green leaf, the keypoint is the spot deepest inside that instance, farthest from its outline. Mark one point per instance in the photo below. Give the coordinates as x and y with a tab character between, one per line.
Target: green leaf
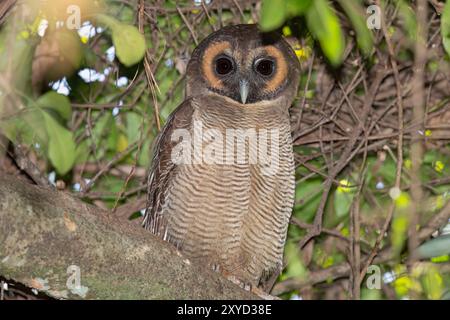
82	152
343	202
370	294
26	128
133	123
144	157
273	14
128	41
432	283
400	225
356	14
101	127
112	136
61	147
107	21
130	44
431	156
307	199
295	267
324	25
19	62
57	102
105	134
387	171
408	17
445	27
297	7
435	247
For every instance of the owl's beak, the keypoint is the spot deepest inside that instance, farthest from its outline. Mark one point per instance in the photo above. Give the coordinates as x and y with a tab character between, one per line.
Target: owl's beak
243	90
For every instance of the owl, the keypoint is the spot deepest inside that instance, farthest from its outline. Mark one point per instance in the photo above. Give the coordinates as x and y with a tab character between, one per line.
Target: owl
212	191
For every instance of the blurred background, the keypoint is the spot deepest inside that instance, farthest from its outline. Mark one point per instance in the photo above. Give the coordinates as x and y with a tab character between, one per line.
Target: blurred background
85	87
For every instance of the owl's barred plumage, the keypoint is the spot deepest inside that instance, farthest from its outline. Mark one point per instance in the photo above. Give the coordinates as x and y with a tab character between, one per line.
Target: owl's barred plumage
229	215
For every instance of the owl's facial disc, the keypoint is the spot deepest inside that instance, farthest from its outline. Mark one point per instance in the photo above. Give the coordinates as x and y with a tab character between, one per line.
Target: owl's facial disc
246	75
245	65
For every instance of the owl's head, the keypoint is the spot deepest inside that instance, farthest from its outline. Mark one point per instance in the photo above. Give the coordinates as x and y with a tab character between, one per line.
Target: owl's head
243	64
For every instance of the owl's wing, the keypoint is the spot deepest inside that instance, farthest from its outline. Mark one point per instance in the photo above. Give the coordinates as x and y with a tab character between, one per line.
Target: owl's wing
163	168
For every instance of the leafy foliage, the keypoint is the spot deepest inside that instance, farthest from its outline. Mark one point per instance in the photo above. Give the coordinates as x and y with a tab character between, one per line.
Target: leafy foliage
445	27
323	23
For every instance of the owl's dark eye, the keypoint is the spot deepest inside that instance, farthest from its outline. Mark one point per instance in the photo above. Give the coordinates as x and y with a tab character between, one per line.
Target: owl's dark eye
224	65
265	67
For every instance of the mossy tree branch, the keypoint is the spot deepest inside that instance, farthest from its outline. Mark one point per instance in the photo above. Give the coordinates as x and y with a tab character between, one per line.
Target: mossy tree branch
43	232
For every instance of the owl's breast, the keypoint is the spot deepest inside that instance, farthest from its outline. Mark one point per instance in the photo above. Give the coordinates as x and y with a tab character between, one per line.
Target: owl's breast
232	202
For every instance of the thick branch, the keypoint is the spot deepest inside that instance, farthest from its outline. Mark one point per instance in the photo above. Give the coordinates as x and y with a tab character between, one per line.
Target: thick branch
43	232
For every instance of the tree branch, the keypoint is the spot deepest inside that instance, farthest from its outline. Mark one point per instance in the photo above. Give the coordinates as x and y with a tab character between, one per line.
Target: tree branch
43	232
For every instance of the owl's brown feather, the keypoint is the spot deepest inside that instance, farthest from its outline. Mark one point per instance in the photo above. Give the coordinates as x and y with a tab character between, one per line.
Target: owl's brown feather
163	168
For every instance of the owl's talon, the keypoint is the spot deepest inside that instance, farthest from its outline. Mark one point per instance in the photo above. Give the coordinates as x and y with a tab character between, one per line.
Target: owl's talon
244	285
262	294
249	287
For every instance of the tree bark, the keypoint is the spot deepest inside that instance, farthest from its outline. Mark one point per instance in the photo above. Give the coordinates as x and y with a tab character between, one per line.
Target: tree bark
47	236
5	8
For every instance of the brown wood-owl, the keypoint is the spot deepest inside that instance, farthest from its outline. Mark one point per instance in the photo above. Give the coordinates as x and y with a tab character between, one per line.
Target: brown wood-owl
221	186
